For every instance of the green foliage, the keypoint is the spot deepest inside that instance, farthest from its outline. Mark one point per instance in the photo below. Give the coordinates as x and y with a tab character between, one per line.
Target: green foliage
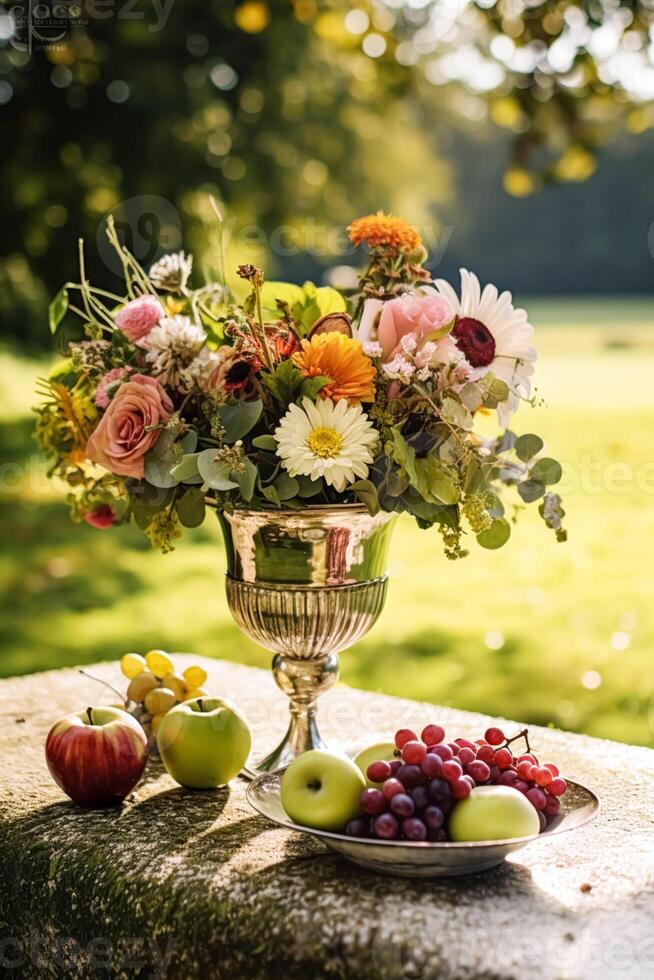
239	419
306	303
284	382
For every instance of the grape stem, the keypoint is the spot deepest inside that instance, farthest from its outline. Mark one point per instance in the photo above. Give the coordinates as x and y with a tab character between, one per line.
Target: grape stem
523	734
99	680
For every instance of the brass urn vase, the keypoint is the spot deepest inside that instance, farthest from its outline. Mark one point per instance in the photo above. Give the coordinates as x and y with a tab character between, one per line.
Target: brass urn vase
305	584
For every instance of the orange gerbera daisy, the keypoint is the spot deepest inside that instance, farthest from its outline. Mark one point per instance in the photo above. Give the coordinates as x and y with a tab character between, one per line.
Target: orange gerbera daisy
384	230
341	359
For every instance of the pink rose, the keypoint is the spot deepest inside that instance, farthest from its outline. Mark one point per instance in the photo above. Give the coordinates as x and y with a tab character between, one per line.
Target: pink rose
122	439
409	314
139	316
102	516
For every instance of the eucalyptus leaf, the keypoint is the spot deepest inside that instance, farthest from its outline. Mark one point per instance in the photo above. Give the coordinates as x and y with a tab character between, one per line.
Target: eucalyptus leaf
308	487
286	486
157	471
186	471
531	490
472	396
367	494
216	474
271	495
269	443
546	470
246	479
496	535
239	419
528	446
456	413
191	508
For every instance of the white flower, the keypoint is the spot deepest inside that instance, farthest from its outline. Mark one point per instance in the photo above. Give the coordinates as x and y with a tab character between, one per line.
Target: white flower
171	272
399	368
171	346
493	335
367	329
329	439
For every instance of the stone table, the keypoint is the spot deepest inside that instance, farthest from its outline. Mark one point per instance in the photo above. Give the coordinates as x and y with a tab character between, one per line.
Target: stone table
188	884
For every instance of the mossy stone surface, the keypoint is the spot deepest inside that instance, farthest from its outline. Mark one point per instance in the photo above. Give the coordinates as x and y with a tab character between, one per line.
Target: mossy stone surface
185	884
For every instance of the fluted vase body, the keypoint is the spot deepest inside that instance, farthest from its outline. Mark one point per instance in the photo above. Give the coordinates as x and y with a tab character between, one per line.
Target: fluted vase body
305	584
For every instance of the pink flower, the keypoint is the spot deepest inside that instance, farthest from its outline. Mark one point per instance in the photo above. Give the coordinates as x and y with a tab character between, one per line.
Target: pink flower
124	436
139	316
409	314
102	396
102	516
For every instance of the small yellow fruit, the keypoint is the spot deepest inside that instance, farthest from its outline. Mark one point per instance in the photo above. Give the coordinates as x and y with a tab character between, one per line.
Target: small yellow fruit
155	721
197	692
132	664
159	662
159	700
176	683
140	685
195	676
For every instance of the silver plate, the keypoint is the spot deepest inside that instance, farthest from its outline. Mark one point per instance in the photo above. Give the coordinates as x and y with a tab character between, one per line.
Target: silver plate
422	860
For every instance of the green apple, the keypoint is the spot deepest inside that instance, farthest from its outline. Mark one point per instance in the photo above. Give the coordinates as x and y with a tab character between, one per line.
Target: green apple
493	813
204	742
380	752
322	790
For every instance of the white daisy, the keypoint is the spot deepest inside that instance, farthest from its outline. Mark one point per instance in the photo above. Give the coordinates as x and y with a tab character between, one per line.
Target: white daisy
493	335
171	346
329	439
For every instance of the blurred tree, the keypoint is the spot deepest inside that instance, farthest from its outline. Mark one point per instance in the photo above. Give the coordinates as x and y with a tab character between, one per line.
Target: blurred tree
297	115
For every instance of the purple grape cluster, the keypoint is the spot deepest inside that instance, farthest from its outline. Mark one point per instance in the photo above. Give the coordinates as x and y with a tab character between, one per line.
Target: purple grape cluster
417	790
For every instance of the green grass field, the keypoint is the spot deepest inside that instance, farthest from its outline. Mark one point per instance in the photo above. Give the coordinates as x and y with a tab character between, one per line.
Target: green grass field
537	631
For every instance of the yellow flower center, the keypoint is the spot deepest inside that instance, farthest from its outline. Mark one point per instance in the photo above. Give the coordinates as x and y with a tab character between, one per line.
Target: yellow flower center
325	442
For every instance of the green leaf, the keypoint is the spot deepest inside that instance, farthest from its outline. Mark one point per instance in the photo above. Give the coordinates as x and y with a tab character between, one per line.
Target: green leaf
531	490
367	494
215	474
246	479
496	391
189	441
186	471
494	505
287	292
455	413
157	470
528	446
284	382
472	396
240	418
286	486
268	443
429	476
271	495
311	386
546	471
191	508
474	477
308	487
58	307
496	535
329	300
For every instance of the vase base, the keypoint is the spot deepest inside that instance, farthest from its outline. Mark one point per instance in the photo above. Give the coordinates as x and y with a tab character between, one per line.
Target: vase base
284	753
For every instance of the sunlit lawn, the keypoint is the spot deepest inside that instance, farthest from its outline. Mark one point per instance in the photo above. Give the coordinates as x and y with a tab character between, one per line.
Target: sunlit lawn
540	631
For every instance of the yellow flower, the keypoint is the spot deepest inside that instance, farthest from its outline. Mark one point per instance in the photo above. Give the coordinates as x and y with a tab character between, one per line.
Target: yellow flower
384	230
341	359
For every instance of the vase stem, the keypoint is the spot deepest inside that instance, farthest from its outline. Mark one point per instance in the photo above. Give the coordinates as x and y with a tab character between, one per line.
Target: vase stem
303	681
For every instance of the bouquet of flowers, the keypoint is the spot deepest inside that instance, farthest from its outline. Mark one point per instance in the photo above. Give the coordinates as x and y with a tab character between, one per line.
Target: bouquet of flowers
179	398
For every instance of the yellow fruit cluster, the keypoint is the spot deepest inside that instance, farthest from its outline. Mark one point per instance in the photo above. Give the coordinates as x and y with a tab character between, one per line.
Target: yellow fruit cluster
154	683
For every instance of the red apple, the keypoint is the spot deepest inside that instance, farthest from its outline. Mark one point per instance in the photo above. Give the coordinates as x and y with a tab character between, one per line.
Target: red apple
97	756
